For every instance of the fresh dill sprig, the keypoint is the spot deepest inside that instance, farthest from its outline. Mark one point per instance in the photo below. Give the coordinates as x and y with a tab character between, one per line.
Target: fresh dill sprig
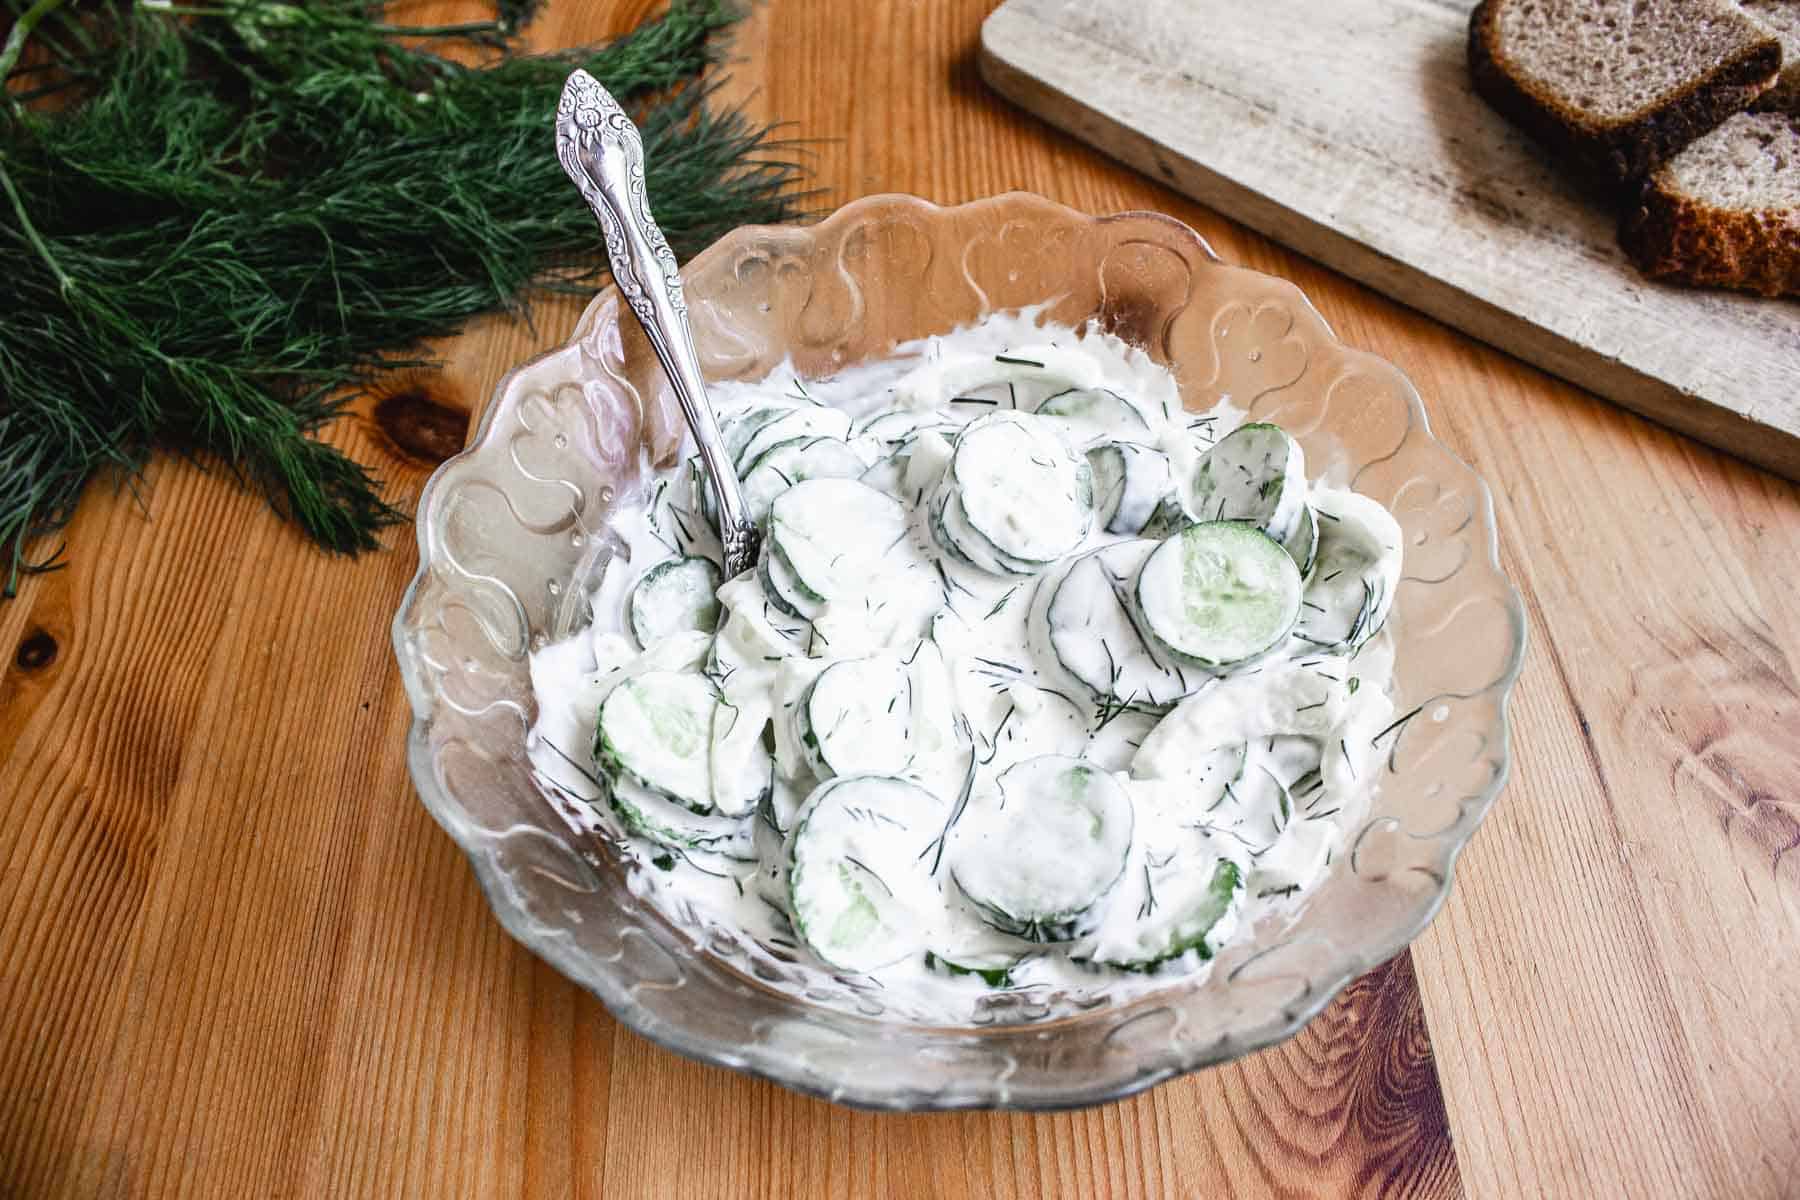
239	213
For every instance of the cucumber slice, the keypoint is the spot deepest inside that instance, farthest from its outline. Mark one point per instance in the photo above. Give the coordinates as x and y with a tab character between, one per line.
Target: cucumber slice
951	529
677	596
653	817
857	718
1130	483
1354	578
1089	627
897	425
784	464
656	729
1256	473
948	543
808	421
1021	487
834	534
783	590
854	860
995	970
1041	861
1282	697
738	428
1182	909
1218	593
1093	412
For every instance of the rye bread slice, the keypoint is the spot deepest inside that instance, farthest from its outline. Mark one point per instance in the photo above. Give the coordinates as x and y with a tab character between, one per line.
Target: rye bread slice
1781	18
1725	212
1618	85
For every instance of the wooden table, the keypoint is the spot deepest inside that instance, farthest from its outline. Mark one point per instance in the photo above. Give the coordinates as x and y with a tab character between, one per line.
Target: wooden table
237	958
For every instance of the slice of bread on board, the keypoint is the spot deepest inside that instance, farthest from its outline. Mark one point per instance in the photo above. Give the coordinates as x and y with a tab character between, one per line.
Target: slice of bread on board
1725	212
1619	85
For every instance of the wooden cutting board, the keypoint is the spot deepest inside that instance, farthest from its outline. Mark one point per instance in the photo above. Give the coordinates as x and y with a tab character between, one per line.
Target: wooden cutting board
1348	131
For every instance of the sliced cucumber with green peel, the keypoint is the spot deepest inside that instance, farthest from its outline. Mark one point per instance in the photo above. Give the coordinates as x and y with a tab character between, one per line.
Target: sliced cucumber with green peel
1041	861
898	425
782	589
784	464
857	718
656	729
834	535
655	818
1088	625
807	421
854	859
1354	578
1256	474
677	596
951	529
1219	593
1130	483
1181	910
1097	410
738	428
995	970
1021	487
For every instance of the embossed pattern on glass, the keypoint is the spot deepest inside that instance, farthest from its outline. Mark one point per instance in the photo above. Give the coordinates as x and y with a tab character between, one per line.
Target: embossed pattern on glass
513	531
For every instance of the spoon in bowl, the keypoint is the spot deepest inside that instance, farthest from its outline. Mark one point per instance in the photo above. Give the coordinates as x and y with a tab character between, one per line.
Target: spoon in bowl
603	152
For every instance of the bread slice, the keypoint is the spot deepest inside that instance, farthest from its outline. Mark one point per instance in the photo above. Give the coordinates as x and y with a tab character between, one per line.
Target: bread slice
1725	212
1618	85
1780	18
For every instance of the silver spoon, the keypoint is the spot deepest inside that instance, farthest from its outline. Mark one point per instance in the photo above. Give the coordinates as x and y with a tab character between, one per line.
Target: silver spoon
603	152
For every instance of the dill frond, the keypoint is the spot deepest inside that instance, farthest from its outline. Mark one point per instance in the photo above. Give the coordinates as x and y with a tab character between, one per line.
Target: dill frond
244	211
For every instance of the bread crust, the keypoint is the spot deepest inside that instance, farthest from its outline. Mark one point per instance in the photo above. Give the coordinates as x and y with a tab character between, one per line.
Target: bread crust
1616	155
1674	237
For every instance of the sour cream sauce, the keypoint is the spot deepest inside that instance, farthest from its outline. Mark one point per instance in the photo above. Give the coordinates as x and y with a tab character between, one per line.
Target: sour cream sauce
1265	766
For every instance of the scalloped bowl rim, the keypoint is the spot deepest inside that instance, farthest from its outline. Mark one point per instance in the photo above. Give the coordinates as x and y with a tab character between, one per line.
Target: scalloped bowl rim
754	1060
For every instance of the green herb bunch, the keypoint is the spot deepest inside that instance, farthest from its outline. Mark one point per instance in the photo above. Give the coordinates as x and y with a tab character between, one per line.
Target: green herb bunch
220	220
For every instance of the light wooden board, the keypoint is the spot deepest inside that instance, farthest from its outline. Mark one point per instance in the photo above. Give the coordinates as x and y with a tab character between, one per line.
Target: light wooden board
1348	131
238	959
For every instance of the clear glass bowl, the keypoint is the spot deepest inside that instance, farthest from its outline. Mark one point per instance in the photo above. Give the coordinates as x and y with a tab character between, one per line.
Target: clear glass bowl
513	531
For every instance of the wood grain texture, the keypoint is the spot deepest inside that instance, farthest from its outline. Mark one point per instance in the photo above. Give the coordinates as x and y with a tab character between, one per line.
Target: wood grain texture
1349	132
237	958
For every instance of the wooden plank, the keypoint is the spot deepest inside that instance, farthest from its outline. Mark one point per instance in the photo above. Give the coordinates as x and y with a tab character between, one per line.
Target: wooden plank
1602	984
1349	132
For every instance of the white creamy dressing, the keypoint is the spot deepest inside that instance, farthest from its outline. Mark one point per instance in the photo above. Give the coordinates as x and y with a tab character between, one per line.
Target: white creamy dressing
945	676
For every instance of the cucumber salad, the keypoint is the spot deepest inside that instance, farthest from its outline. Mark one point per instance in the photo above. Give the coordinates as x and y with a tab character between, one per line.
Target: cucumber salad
1042	687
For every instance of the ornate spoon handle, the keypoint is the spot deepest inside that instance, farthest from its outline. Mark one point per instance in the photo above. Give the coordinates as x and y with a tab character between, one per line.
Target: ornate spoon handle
603	152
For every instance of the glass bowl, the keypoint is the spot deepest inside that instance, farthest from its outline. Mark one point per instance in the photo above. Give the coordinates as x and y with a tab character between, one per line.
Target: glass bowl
513	533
